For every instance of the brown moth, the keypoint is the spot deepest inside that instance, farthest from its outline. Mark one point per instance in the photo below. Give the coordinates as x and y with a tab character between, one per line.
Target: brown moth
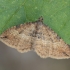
38	37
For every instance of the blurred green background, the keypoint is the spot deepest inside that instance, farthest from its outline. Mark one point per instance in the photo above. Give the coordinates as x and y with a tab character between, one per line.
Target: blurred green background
56	14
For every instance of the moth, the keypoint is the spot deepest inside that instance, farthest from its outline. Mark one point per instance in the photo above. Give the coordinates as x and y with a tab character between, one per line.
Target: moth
38	37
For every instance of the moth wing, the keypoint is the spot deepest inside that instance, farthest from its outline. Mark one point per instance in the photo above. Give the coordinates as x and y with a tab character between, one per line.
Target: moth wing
48	44
19	37
60	50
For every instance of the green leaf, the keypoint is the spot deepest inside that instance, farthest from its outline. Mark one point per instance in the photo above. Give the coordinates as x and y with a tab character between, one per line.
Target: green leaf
56	14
